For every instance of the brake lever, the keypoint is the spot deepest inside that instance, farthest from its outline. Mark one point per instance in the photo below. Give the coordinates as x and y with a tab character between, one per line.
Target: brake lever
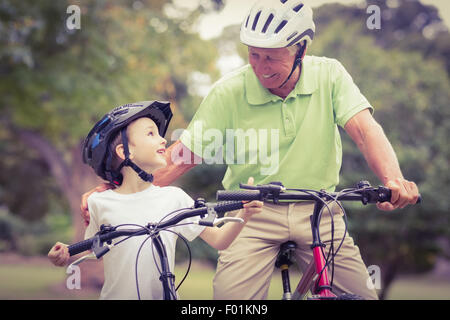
90	256
248	186
210	217
224	220
273	188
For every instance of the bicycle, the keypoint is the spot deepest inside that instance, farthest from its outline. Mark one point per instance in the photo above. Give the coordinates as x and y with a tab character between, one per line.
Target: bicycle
315	278
101	243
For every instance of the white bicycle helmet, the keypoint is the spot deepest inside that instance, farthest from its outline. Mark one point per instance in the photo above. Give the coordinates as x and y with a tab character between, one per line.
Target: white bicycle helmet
278	24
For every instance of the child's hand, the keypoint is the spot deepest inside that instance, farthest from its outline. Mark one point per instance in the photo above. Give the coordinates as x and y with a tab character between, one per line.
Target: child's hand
59	254
253	207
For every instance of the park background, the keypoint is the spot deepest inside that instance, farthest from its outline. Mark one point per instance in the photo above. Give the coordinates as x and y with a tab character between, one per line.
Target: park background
56	82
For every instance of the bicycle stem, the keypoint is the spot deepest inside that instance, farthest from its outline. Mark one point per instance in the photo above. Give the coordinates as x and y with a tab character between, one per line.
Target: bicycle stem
167	278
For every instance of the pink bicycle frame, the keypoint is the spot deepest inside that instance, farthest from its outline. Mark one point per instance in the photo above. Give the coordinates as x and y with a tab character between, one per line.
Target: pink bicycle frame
315	277
322	283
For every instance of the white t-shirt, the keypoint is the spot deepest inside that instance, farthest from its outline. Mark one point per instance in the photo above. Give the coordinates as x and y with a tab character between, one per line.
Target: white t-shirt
149	205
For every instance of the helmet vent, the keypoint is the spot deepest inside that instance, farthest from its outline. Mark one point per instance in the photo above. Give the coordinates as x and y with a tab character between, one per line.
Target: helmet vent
246	23
292	35
280	26
255	22
283	1
268	21
298	7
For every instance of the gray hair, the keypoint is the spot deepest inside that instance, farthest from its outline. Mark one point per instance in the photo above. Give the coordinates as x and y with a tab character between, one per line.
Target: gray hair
293	49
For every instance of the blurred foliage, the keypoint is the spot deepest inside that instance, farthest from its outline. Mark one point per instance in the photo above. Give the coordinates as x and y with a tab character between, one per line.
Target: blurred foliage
408	25
57	82
33	238
403	75
22	165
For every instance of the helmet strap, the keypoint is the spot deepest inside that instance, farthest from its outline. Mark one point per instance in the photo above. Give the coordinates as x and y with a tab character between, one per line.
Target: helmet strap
148	177
297	62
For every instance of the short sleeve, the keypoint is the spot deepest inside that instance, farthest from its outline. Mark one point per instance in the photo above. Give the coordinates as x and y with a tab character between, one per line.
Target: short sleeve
93	226
188	230
208	125
346	96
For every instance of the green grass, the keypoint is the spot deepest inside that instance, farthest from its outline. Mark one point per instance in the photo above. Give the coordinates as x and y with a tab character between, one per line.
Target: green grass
28	281
422	287
198	285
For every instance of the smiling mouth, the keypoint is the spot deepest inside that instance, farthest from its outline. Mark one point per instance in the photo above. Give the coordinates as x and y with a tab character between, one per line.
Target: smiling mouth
268	76
161	151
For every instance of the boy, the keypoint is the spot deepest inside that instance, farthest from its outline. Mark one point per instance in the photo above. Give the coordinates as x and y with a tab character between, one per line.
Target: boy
124	147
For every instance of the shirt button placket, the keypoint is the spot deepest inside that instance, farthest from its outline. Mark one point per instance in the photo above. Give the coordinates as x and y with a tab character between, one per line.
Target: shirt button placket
288	122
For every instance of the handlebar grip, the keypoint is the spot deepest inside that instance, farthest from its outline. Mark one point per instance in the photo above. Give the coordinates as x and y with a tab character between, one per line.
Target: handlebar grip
238	195
385	195
226	206
419	199
81	246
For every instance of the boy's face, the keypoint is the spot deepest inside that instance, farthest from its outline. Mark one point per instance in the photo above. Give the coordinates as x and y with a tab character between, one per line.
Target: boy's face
147	148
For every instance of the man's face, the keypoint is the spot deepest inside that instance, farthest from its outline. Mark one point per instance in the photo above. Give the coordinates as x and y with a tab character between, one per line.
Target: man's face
271	66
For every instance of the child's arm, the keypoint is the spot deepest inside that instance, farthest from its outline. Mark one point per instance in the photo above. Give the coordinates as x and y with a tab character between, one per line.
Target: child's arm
59	254
221	238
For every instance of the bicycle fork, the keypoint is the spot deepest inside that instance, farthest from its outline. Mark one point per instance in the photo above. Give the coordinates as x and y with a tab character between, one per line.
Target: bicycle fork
284	261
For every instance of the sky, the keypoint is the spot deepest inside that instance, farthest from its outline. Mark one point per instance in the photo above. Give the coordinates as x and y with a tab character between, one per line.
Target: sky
234	11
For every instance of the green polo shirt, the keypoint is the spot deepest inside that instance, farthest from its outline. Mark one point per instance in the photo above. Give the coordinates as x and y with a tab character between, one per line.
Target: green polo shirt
256	133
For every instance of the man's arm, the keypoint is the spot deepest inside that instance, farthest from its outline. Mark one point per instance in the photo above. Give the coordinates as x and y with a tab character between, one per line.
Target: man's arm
381	158
179	160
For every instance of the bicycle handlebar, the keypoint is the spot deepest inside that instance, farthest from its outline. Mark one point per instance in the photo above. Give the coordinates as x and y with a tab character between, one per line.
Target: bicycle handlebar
110	233
275	191
87	244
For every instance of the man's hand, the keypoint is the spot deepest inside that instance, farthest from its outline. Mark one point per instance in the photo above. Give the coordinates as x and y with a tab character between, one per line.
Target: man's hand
84	204
404	192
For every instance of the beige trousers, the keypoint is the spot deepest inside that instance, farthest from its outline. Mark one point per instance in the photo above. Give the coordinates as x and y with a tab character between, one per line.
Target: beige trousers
244	270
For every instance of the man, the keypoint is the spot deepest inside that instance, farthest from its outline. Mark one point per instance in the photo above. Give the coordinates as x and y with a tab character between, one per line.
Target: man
300	100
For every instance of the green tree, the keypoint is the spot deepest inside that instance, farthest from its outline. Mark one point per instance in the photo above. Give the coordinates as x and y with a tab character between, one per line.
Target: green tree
55	83
410	97
404	24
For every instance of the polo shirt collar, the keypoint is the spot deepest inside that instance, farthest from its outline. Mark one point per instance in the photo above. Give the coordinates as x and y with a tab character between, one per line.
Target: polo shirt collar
258	95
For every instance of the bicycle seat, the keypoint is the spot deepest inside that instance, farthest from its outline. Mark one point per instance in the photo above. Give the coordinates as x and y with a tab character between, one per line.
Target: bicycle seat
285	254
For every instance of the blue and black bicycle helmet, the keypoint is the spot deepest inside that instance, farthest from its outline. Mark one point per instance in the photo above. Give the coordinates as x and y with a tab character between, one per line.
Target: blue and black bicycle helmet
96	150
